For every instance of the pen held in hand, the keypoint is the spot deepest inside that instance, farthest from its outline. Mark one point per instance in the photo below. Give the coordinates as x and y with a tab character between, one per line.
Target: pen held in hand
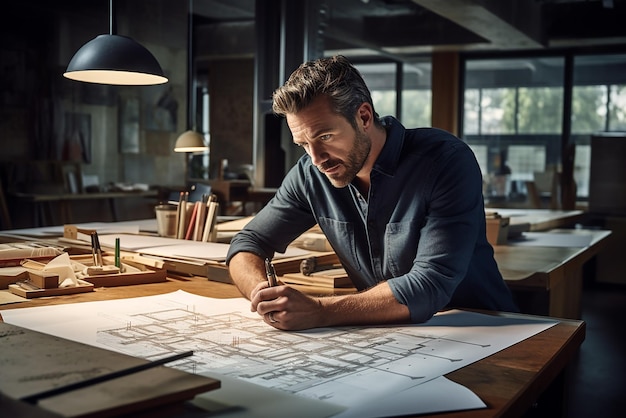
270	273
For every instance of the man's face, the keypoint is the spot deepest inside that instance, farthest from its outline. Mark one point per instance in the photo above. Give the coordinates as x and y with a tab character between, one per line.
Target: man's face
336	149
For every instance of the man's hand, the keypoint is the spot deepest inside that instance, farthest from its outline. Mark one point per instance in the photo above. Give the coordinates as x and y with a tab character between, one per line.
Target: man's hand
286	308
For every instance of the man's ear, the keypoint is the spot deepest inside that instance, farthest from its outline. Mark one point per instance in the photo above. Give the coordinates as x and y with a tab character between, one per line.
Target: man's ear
365	115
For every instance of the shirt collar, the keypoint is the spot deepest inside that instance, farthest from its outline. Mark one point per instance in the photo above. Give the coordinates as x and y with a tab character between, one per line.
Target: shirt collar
389	156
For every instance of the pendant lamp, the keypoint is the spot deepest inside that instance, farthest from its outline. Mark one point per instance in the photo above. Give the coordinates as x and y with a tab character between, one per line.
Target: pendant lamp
114	59
190	141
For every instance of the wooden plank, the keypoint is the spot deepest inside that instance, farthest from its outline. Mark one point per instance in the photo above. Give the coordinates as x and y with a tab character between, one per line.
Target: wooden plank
33	362
28	293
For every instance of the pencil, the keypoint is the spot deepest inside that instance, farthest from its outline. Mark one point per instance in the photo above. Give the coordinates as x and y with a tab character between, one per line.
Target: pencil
33	399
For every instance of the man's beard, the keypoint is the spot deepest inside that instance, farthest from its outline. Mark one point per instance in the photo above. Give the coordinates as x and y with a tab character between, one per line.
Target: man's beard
354	163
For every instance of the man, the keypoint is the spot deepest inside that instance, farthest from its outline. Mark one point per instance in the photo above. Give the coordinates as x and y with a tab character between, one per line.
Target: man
403	210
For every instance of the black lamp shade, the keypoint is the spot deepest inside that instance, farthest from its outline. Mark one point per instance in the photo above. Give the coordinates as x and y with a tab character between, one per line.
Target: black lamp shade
115	59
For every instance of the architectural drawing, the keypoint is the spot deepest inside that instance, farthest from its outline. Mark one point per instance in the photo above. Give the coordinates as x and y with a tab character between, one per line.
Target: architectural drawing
327	364
347	366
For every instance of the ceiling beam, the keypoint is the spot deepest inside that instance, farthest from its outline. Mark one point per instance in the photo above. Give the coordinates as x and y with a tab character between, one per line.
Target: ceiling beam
510	24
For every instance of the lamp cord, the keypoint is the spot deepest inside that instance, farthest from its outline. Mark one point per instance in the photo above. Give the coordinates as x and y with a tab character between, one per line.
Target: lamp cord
112	28
191	108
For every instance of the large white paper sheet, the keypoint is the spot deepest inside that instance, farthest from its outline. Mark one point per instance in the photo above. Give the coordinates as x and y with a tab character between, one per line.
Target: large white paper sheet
347	366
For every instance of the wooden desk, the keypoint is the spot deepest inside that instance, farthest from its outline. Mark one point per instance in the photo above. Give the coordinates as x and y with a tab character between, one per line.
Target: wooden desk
509	382
43	210
548	280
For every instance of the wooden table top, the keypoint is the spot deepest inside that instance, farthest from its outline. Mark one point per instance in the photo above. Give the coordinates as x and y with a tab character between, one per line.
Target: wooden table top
509	382
539	266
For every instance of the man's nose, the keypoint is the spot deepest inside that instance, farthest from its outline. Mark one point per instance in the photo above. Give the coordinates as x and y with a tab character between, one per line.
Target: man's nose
318	153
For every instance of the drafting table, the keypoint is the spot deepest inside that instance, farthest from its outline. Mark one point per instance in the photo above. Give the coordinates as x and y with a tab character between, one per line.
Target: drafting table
509	382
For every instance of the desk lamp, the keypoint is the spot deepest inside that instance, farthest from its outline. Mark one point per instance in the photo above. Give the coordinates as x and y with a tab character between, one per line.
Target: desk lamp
114	59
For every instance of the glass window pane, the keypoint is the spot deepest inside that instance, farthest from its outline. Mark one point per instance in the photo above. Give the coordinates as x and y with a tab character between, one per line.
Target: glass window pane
497	111
514	107
471	112
416	94
416	108
381	80
540	110
582	164
588	109
384	102
525	160
598	105
617	116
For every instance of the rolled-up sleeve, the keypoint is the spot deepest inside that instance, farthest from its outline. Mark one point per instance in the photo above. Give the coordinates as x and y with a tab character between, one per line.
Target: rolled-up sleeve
286	216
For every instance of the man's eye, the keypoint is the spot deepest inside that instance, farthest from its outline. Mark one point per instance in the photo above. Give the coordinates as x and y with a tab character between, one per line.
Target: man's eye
325	137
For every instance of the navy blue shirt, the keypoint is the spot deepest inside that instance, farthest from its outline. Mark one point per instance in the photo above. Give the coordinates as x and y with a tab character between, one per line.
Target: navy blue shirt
422	227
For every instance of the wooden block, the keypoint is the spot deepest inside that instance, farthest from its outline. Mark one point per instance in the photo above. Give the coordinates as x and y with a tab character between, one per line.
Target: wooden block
7	279
127	279
292	264
43	280
328	278
99	270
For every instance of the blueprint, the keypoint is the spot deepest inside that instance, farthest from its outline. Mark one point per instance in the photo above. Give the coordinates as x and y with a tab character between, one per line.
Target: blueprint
346	366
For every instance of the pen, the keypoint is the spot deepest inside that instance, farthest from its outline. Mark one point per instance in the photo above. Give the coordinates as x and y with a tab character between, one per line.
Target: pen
270	273
93	249
97	251
118	264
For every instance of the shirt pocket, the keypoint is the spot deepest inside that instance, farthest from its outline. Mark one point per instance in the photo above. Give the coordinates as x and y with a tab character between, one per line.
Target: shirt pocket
341	236
401	241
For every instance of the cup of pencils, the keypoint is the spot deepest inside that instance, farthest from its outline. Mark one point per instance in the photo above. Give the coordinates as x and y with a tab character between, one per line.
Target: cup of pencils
166	220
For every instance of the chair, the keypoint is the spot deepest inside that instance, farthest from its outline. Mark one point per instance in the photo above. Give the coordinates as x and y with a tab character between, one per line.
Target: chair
196	191
544	190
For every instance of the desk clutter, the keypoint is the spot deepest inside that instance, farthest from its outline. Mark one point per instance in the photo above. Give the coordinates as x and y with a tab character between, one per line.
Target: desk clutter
148	258
65	275
32	270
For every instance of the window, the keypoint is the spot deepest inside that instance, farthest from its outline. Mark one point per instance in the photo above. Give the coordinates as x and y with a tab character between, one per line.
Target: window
514	108
415	93
598	105
381	80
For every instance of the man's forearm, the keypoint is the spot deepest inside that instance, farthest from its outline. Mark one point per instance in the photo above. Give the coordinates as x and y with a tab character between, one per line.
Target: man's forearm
246	270
377	305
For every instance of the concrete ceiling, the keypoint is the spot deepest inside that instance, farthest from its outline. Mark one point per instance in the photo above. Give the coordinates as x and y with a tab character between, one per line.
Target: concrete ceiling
409	28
